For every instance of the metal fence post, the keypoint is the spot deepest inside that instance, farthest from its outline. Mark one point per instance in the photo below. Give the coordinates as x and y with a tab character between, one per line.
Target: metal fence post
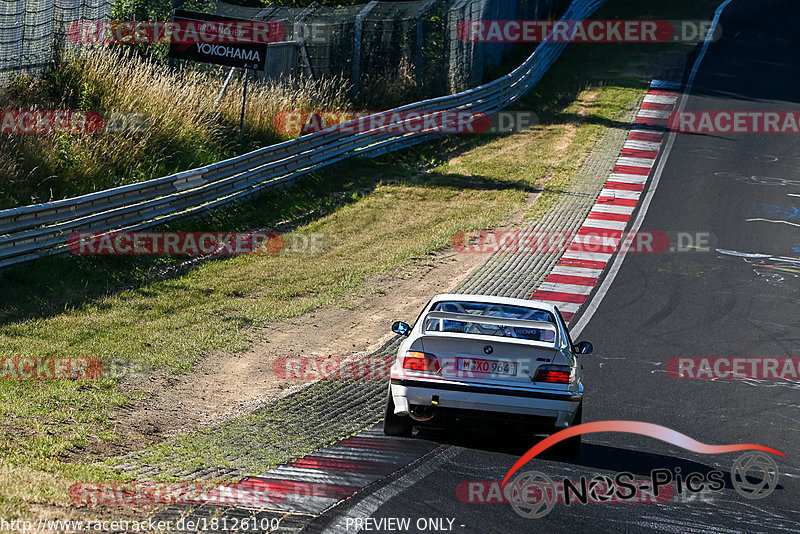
298	37
357	44
420	40
455	47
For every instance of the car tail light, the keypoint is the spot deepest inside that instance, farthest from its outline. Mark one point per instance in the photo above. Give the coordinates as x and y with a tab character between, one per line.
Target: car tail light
554	374
421	361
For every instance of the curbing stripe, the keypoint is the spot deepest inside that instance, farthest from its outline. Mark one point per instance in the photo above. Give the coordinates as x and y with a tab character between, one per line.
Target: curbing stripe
569	307
654	114
631	152
660	99
657	106
572	289
581	263
632	169
610	201
607	207
337	464
315	482
629	178
605	216
644	146
611	186
613	209
587	256
616	193
571	280
635	162
645	135
591	225
556	296
663	92
569	270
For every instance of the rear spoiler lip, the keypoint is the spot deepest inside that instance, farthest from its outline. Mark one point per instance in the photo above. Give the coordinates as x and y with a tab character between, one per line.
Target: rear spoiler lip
491	339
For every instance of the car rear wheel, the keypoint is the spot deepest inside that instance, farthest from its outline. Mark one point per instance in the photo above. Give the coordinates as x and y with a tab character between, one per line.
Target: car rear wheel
396	425
571	447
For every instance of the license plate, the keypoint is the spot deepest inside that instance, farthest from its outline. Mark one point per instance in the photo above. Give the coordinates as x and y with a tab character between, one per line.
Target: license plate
487	367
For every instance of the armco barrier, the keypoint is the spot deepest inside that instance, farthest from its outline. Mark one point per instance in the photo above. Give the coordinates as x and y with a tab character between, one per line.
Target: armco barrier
33	231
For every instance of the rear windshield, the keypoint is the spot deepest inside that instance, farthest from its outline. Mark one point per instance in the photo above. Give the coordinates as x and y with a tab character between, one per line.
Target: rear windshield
501	311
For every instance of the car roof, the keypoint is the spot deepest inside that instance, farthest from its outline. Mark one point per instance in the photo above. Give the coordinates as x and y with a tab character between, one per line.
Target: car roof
526	303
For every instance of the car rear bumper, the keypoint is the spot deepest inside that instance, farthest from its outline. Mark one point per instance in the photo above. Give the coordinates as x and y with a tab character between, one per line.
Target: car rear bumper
553	409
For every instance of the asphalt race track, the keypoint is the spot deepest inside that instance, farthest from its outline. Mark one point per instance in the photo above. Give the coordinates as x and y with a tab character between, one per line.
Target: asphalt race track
744	191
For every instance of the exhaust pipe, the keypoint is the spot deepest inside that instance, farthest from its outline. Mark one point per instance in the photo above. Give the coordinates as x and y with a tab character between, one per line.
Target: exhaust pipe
424	413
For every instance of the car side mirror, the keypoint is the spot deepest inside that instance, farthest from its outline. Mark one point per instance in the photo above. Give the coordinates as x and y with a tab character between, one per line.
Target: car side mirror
584	347
401	328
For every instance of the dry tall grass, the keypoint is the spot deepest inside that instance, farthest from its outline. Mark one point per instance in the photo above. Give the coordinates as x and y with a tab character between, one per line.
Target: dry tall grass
184	130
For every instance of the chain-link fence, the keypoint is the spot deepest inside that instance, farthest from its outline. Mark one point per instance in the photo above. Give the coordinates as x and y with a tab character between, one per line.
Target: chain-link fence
467	61
32	30
378	46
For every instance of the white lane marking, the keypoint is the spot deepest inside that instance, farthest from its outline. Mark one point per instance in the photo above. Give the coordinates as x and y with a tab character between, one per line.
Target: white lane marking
620	193
653	113
372	502
648	197
771	221
660	99
560	287
636	162
642	145
619	210
628	178
792	195
568	270
589	256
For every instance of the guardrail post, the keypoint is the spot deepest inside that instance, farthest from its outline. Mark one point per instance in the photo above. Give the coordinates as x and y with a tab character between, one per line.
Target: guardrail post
357	43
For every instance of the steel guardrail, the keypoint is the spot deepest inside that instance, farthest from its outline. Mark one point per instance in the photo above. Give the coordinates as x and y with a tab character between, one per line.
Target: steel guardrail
29	232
